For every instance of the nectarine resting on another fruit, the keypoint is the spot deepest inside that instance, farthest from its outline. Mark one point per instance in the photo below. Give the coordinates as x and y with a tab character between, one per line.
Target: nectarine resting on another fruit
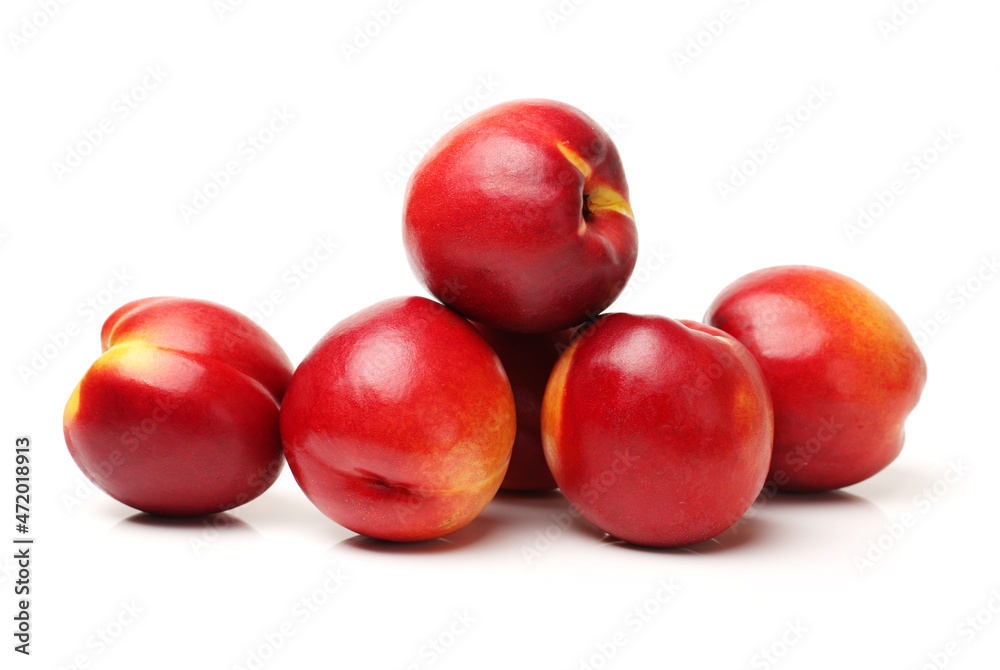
519	218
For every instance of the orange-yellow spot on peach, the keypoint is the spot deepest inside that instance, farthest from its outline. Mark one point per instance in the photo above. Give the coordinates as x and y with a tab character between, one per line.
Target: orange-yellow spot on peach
552	405
72	406
135	357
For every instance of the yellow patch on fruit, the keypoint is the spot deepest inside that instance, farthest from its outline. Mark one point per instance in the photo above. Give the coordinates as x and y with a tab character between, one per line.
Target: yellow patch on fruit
604	198
134	356
72	406
577	160
552	405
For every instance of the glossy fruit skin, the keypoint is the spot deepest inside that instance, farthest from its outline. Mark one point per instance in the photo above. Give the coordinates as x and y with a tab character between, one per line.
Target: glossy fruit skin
843	370
494	220
528	361
658	431
179	415
399	423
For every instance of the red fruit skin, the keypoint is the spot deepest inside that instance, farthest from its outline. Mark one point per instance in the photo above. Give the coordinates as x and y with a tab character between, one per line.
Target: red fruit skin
658	431
179	416
494	221
843	370
399	423
528	360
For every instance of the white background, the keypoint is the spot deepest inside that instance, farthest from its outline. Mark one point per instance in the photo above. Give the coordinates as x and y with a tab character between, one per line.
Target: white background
788	579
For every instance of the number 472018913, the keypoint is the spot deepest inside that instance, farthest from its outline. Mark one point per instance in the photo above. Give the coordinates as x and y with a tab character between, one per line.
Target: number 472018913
22	446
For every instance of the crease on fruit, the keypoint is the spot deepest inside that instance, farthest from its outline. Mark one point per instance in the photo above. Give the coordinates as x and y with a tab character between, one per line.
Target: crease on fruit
603	198
577	160
597	197
382	482
140	359
137	306
138	355
416	490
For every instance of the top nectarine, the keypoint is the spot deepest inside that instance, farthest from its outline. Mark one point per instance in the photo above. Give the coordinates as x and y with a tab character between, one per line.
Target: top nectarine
519	218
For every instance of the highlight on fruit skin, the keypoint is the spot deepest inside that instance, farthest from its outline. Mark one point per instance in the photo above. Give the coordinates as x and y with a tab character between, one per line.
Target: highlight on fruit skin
179	415
399	423
843	370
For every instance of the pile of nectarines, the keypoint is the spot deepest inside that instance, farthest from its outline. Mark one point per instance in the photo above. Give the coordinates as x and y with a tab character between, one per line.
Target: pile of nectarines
407	417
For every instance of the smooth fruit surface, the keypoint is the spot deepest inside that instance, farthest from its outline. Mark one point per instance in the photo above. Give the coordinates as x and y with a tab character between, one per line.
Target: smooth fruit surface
519	218
528	361
399	423
658	431
843	370
179	415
